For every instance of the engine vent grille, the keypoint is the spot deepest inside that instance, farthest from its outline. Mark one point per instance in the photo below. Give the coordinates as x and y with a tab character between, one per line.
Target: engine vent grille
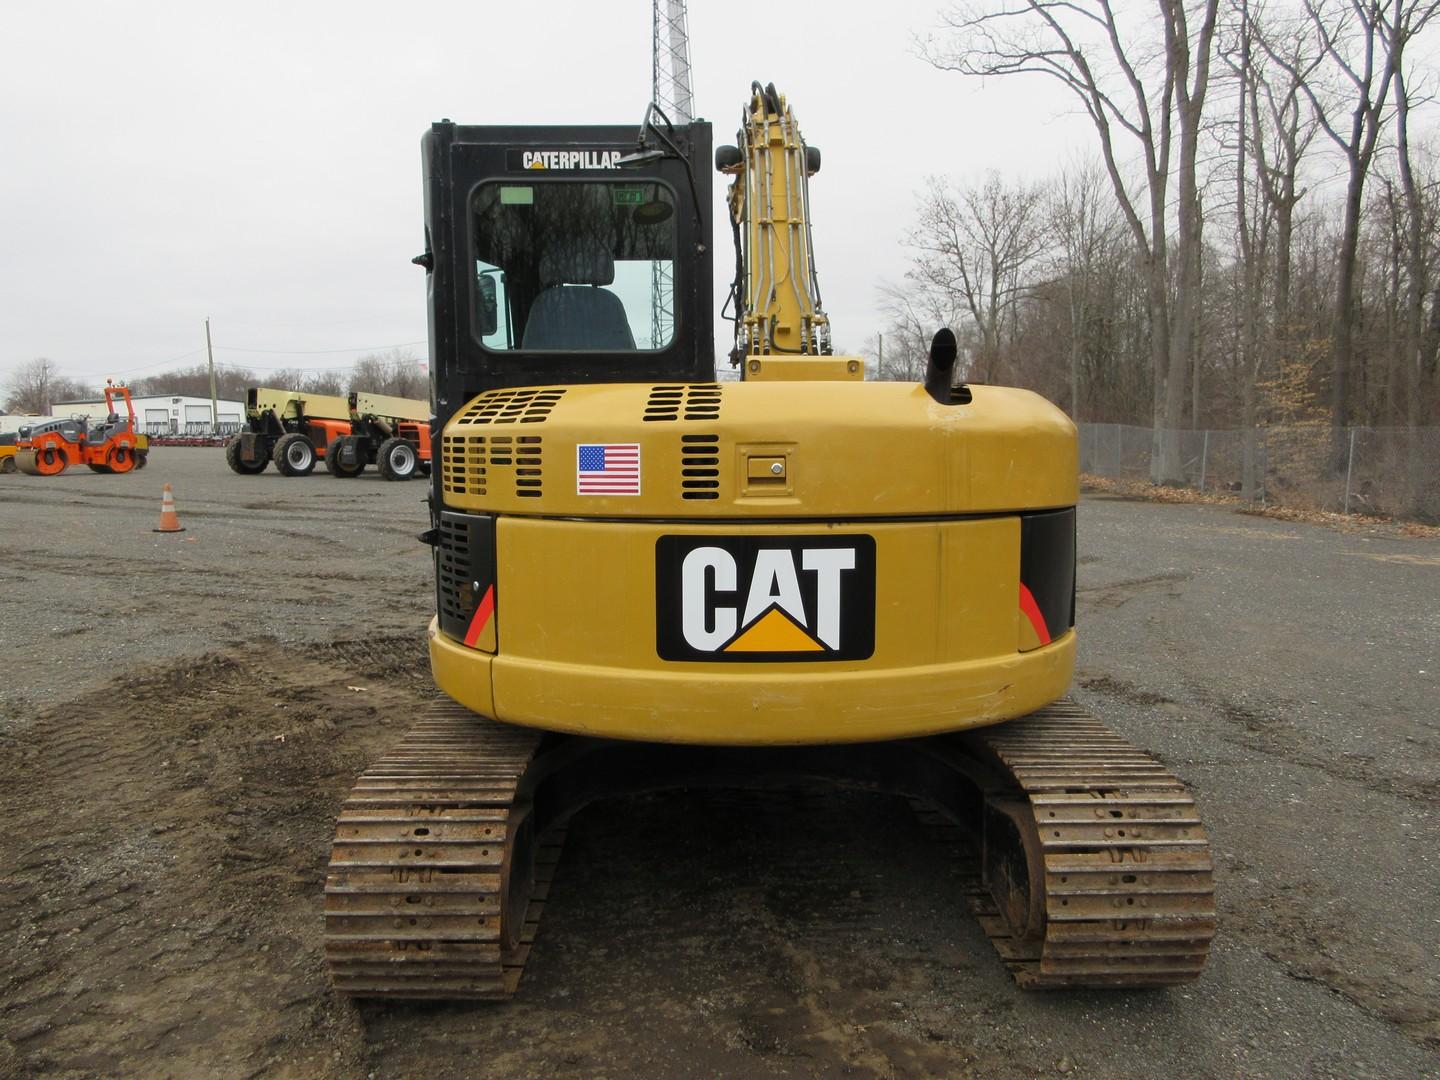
464	568
699	466
462	465
455	593
522	454
522	406
687	401
472	462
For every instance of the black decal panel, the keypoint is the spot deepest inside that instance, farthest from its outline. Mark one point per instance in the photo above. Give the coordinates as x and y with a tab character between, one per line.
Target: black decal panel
771	599
1047	566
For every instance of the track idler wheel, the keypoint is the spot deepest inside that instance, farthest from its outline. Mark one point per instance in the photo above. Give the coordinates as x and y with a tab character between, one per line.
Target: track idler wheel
517	883
1013	866
1096	868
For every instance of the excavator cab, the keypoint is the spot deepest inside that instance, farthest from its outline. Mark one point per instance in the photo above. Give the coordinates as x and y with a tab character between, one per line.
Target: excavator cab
575	262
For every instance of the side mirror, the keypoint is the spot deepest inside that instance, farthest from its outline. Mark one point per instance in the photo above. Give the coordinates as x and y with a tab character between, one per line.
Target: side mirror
488	312
728	159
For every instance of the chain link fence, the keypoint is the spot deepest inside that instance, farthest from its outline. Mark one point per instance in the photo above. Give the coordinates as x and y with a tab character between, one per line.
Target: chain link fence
1391	472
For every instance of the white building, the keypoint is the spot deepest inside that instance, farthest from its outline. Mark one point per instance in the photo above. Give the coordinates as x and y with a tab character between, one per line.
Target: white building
15	421
165	414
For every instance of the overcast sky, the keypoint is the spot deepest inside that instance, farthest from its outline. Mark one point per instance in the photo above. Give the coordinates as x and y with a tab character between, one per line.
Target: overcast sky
259	162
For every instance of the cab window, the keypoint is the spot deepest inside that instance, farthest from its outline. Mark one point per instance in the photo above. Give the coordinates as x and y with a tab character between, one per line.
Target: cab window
574	266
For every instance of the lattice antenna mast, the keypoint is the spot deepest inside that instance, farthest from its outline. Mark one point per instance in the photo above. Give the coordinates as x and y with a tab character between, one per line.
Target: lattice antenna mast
670	89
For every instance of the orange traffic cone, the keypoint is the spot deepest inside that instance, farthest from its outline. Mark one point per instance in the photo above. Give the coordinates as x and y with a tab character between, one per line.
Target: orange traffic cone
169	521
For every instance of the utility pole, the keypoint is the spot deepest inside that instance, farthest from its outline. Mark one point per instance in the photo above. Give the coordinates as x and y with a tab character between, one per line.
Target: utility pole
214	405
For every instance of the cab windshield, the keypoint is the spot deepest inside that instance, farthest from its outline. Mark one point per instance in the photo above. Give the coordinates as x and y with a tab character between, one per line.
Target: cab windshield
574	266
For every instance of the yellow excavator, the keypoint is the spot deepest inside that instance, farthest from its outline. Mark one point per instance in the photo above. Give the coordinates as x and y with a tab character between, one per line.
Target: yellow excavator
649	578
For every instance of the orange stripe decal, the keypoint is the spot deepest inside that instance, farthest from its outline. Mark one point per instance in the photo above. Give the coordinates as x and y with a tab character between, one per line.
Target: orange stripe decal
1032	612
486	608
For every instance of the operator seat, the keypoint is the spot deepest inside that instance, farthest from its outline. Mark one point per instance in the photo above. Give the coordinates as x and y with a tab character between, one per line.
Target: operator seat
101	432
573	312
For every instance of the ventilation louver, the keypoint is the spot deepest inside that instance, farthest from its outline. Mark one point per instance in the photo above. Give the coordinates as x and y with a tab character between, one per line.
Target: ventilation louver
463	464
699	466
454	576
689	401
474	462
521	406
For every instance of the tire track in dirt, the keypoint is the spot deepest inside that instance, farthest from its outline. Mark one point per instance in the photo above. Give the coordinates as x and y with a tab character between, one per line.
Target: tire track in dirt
165	842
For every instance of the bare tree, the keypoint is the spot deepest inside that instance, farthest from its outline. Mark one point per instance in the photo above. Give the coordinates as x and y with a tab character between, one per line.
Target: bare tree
1281	135
1417	259
1418	268
1252	230
911	317
34	387
286	379
1271	138
326	382
976	250
397	372
1072	41
1362	43
194	381
1084	234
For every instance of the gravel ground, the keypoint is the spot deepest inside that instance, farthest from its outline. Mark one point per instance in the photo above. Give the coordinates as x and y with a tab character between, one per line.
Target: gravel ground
180	716
89	588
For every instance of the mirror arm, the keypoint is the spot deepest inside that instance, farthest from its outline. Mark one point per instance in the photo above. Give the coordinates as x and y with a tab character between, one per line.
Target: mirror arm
648	127
689	170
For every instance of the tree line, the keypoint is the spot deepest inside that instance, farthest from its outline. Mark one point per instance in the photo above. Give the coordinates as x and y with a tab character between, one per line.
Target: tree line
36	387
1200	269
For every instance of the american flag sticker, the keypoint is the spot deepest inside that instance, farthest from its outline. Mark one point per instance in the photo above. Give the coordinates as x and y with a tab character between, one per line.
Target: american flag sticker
607	469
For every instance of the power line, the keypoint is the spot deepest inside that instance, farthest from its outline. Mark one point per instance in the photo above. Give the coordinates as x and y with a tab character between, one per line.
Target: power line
162	363
288	367
240	366
316	352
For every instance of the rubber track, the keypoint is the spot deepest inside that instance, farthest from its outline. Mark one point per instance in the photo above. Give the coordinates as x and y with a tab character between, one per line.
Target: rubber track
1129	897
415	888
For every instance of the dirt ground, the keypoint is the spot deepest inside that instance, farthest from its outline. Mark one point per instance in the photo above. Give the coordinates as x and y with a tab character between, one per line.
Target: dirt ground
181	715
